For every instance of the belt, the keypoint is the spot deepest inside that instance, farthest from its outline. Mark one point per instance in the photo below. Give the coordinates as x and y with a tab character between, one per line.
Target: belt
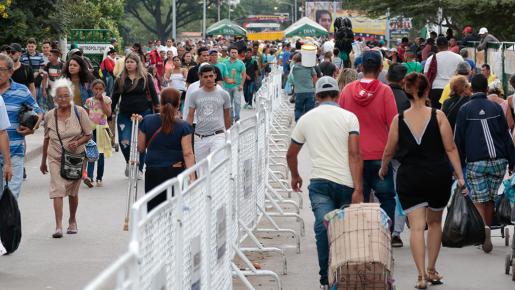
209	135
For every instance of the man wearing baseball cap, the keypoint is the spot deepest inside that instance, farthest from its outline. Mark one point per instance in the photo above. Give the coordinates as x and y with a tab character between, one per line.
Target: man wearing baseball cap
374	104
485	38
332	137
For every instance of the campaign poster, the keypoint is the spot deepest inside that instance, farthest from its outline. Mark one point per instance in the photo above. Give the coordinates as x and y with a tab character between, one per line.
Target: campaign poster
323	12
399	27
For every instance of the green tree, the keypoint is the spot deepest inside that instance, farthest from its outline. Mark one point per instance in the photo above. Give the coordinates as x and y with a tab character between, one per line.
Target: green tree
479	13
156	15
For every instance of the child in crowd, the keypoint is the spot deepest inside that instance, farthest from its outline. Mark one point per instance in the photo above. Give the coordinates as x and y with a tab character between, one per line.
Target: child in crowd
99	109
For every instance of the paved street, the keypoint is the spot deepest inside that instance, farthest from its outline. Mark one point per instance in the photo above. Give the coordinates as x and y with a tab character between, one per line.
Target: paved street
463	269
69	263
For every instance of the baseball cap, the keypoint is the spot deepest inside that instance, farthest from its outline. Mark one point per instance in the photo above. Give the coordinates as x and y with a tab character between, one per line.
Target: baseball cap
372	59
16	47
212	51
483	30
326	84
467	29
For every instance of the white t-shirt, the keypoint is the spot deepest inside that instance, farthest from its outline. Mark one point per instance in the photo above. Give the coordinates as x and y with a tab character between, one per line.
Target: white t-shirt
4	118
173	49
325	130
186	107
446	64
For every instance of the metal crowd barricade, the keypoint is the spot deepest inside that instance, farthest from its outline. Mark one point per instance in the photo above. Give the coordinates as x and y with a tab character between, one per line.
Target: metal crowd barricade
190	240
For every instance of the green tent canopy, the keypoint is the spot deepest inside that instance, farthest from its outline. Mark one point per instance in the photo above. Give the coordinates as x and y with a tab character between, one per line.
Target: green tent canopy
226	27
305	27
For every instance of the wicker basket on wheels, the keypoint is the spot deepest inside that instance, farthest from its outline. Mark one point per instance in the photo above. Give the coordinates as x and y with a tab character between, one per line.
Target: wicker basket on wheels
360	255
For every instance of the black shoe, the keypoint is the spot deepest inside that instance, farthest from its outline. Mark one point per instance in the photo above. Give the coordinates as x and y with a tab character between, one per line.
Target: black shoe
24	173
397	242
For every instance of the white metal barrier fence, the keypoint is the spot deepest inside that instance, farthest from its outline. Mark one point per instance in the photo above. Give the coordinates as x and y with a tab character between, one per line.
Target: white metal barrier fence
190	240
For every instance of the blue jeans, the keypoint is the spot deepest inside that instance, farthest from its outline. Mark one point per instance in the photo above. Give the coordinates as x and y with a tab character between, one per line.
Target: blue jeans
17	163
384	190
235	94
124	124
248	91
100	161
303	103
326	196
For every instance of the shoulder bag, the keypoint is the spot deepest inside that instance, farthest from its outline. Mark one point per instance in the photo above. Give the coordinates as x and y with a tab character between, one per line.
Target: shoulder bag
71	163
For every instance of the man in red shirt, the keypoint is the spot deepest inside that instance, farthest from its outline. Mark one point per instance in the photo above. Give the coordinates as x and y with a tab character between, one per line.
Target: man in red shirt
401	49
374	104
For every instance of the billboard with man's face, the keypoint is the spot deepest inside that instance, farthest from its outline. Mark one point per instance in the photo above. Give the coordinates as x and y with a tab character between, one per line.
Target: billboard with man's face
324	13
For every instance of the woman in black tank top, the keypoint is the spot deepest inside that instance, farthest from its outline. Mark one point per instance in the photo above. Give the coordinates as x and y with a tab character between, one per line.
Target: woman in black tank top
421	139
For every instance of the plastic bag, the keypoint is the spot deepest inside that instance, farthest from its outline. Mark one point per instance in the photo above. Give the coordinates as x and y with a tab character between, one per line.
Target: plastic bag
463	224
10	221
503	211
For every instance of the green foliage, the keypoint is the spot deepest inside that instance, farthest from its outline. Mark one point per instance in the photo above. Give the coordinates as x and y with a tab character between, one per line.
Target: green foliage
28	18
48	19
496	15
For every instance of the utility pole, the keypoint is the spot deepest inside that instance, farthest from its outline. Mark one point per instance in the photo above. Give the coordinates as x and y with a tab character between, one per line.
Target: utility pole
218	4
204	20
174	23
296	9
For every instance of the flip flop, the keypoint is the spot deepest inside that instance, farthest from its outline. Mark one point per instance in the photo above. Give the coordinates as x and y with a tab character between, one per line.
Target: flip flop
71	231
57	235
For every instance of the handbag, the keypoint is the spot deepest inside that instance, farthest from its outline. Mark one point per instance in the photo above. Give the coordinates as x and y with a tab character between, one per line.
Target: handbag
92	153
71	163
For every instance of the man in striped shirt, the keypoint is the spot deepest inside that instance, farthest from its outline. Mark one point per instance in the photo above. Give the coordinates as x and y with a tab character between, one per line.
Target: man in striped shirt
15	95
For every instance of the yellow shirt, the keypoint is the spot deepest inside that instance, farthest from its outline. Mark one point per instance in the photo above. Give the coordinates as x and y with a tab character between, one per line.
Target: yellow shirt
491	78
446	93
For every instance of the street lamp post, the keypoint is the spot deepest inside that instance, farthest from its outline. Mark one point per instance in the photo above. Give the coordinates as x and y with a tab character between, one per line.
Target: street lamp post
204	19
174	23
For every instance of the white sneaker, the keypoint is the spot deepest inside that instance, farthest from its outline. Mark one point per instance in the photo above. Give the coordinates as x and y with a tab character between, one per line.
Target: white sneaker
140	175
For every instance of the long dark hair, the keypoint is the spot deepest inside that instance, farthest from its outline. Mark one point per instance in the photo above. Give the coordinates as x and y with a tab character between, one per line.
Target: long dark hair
85	75
170	100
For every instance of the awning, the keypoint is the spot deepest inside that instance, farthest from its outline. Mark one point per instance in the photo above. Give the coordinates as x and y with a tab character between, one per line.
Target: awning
305	27
226	27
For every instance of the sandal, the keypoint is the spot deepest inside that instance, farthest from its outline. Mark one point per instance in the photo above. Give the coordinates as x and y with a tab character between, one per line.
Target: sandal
72	231
58	234
421	283
88	182
434	277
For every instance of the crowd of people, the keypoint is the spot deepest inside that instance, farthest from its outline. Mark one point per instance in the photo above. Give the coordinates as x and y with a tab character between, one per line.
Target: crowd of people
202	83
378	128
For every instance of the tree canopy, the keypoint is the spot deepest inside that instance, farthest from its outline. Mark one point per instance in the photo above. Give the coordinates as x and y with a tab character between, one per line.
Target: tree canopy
496	15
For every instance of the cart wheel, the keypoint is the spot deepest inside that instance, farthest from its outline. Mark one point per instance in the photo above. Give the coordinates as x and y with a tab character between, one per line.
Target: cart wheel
507	264
506	237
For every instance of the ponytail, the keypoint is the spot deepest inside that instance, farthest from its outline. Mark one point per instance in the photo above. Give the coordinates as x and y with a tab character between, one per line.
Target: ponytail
170	99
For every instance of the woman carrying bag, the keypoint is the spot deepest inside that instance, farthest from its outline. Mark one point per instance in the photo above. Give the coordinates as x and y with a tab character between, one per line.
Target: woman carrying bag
67	130
167	142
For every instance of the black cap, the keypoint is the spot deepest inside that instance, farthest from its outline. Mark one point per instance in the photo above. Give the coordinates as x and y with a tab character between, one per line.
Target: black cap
372	59
112	50
16	47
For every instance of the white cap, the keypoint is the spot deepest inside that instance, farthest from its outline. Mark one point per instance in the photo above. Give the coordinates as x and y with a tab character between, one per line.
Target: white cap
483	30
326	84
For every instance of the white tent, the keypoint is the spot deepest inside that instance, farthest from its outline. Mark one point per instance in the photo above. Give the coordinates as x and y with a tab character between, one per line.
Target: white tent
305	27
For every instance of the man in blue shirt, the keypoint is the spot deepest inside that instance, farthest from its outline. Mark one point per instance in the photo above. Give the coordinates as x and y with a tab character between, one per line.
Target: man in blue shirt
285	60
15	95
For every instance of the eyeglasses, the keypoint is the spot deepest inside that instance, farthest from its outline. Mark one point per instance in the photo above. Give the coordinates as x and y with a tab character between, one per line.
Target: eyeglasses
4	70
12	52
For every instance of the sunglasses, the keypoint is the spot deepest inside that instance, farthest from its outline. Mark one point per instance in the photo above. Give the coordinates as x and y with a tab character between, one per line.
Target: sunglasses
12	52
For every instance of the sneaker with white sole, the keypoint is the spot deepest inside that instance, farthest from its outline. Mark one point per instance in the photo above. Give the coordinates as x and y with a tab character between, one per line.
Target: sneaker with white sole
127	170
140	175
487	245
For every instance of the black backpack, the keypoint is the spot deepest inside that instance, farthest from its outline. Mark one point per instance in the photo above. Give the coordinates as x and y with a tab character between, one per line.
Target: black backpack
10	221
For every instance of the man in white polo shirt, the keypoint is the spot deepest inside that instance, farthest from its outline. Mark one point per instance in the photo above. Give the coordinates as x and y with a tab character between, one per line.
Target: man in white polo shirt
332	137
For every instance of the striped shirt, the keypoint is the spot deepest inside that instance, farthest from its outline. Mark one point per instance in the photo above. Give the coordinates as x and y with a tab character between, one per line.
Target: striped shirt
35	61
14	98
